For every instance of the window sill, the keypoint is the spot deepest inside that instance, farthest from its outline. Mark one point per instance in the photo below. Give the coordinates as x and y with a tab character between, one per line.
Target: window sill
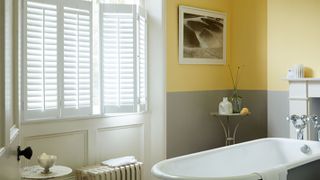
92	117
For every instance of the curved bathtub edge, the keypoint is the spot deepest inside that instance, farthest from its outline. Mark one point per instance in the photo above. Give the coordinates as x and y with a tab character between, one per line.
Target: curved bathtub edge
155	171
158	170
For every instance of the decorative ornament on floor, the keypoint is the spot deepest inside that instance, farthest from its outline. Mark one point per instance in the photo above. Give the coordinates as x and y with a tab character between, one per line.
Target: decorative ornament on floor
236	99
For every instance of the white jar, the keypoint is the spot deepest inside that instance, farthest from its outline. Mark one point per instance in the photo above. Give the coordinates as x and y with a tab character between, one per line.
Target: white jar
225	107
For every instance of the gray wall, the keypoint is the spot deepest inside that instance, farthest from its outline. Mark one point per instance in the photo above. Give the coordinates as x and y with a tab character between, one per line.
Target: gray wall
255	125
278	109
190	128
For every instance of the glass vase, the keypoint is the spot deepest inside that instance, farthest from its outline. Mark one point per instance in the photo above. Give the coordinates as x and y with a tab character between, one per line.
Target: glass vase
236	102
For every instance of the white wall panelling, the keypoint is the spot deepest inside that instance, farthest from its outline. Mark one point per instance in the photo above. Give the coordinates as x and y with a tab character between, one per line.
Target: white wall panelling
314	89
145	133
314	104
81	142
304	96
155	129
71	147
298	90
299	107
119	141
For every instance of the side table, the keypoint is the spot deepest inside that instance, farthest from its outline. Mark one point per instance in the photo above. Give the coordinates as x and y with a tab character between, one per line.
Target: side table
224	120
35	172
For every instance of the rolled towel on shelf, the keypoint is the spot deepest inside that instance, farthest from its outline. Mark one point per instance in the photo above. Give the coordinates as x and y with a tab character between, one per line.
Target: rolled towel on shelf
121	161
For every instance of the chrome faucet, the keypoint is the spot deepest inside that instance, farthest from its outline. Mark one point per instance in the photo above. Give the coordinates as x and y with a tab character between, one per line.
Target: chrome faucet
316	124
300	123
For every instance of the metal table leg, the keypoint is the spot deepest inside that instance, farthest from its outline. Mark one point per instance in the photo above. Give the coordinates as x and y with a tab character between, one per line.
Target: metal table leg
229	140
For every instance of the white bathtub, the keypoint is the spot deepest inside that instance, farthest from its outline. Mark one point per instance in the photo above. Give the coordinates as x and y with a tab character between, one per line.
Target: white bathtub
244	161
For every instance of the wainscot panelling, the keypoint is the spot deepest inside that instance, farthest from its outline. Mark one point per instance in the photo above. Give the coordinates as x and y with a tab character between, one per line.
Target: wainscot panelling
71	148
119	141
85	142
314	104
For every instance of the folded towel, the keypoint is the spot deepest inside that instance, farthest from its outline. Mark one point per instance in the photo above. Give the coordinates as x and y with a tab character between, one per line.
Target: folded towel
276	173
121	161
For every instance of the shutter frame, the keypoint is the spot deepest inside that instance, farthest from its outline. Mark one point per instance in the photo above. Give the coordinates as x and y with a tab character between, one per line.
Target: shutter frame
58	112
117	10
76	8
34	7
142	60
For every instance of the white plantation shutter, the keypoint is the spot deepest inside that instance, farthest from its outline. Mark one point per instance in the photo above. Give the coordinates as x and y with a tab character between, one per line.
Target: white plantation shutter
40	65
142	63
119	56
77	66
58	61
58	58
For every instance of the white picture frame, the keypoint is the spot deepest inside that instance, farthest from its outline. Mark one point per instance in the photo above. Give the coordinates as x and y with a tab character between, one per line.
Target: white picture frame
202	36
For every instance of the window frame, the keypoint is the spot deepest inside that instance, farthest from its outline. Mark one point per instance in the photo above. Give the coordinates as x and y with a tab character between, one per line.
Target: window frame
101	114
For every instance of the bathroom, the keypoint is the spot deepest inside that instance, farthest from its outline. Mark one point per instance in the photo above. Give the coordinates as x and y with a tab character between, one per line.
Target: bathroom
263	37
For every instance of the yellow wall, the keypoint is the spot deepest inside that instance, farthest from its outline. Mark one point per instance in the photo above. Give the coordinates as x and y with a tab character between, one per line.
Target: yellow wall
249	42
194	77
266	36
293	38
246	45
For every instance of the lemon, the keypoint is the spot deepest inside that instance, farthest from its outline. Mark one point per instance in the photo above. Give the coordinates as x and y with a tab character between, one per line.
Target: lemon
244	111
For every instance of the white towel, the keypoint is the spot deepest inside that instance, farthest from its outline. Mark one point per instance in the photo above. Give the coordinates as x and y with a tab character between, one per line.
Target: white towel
121	161
277	173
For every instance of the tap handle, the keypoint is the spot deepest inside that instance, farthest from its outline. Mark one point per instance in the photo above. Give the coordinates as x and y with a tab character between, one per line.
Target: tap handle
294	117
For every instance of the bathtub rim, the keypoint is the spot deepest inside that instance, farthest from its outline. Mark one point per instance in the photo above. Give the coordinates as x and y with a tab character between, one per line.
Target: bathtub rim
155	170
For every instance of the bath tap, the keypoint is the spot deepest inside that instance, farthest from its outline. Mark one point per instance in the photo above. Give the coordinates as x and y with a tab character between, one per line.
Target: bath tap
300	123
316	124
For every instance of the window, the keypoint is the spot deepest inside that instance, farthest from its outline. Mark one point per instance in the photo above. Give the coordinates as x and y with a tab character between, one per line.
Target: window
60	68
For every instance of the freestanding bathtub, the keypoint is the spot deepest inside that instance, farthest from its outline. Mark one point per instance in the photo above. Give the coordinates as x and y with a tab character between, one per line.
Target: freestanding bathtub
245	161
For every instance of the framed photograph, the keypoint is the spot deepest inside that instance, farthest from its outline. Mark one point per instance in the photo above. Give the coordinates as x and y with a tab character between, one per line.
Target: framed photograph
202	36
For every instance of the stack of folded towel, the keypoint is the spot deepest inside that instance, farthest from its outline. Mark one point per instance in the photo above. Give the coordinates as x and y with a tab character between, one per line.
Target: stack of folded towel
121	161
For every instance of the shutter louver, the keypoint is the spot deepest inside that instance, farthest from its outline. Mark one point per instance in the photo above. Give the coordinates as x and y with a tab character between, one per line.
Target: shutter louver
41	60
58	66
142	89
118	43
77	61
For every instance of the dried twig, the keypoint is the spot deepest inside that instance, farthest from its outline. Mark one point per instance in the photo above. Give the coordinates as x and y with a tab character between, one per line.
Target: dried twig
233	82
237	78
